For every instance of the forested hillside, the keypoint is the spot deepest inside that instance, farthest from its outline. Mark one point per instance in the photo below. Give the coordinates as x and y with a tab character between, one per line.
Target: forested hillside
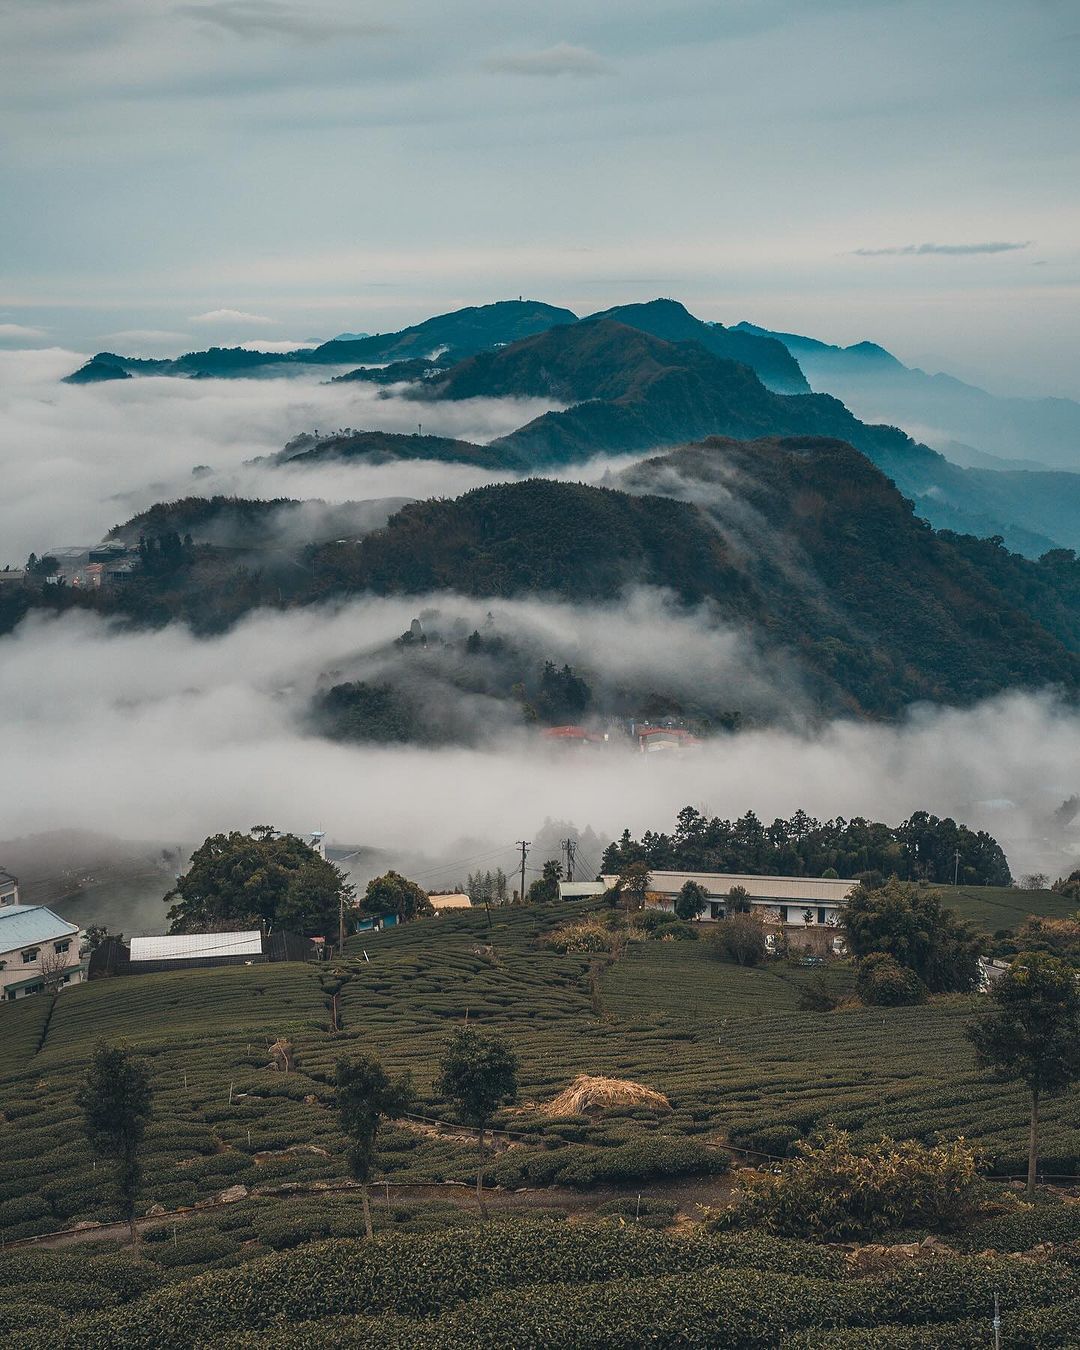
817	554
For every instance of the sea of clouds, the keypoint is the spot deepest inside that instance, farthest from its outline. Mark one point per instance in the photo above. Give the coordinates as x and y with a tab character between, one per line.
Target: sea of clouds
162	735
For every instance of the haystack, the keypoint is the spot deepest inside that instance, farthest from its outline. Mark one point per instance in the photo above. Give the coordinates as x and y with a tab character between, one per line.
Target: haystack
586	1094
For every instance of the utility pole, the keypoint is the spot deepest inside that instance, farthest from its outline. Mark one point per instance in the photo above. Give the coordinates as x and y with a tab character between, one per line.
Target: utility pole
570	849
341	924
523	844
956	868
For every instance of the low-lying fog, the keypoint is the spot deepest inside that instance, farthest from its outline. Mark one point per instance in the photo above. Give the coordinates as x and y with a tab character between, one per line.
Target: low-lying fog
164	736
77	459
161	735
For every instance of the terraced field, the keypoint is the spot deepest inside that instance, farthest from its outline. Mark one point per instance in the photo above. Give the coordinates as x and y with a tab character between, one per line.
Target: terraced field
992	907
728	1046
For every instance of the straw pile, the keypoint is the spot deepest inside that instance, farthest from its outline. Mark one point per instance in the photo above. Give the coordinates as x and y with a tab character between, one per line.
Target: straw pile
586	1094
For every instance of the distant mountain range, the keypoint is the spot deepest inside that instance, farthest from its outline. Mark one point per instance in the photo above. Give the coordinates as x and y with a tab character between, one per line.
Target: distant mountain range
628	392
798	543
641	377
463	333
960	419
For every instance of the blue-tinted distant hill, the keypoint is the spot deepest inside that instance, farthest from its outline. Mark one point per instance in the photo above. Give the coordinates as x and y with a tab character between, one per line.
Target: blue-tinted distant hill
460	334
939	408
629	391
465	331
770	359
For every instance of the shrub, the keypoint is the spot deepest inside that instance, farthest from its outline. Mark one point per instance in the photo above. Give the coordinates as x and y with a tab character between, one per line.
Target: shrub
740	937
884	982
198	1249
583	936
678	932
775	1141
1025	1227
835	1191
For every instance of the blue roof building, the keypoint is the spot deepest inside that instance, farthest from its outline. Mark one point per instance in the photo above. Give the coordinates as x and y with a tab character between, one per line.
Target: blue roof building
38	950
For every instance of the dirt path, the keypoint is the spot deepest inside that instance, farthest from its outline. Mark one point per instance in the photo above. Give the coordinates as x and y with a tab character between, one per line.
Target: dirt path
686	1193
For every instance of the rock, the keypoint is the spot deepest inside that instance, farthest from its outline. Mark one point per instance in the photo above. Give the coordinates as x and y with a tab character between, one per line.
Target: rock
232	1194
84	1224
155	1210
311	1100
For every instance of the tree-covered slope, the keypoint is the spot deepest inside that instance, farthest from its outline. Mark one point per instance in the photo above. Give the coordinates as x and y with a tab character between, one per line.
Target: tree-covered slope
628	391
800	540
383	447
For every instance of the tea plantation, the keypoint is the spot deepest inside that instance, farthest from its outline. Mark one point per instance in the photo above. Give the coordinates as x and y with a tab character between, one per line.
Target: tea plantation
544	1284
727	1045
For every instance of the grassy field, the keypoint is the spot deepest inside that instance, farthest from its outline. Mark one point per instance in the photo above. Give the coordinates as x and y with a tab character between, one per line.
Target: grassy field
992	907
728	1046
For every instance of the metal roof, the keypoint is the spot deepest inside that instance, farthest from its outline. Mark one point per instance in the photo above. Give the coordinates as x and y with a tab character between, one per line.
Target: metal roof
777	890
27	925
580	890
458	900
185	946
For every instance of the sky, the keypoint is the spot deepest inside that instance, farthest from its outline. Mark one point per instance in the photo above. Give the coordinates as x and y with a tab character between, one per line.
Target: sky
176	175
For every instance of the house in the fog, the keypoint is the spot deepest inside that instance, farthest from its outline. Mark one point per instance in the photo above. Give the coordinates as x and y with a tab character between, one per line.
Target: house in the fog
9	888
38	951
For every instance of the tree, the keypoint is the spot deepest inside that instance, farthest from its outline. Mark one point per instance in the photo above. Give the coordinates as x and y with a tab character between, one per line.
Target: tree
1031	1034
885	983
394	894
258	879
738	901
632	885
366	1095
546	886
691	900
116	1102
836	1190
1035	881
912	925
54	966
95	934
478	1072
742	937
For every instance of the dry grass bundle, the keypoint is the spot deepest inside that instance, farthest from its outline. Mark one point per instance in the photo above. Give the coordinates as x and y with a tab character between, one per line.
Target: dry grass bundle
281	1055
587	1094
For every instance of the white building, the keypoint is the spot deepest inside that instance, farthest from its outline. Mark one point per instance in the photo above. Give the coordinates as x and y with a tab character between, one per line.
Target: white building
9	888
581	890
178	950
37	949
793	901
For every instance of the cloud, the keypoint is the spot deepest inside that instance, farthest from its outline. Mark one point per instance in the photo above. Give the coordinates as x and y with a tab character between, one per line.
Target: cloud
230	316
196	735
562	59
75	460
18	332
266	18
284	345
948	250
156	336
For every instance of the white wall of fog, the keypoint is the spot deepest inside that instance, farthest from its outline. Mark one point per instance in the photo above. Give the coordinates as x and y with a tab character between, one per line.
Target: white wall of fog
161	735
77	459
